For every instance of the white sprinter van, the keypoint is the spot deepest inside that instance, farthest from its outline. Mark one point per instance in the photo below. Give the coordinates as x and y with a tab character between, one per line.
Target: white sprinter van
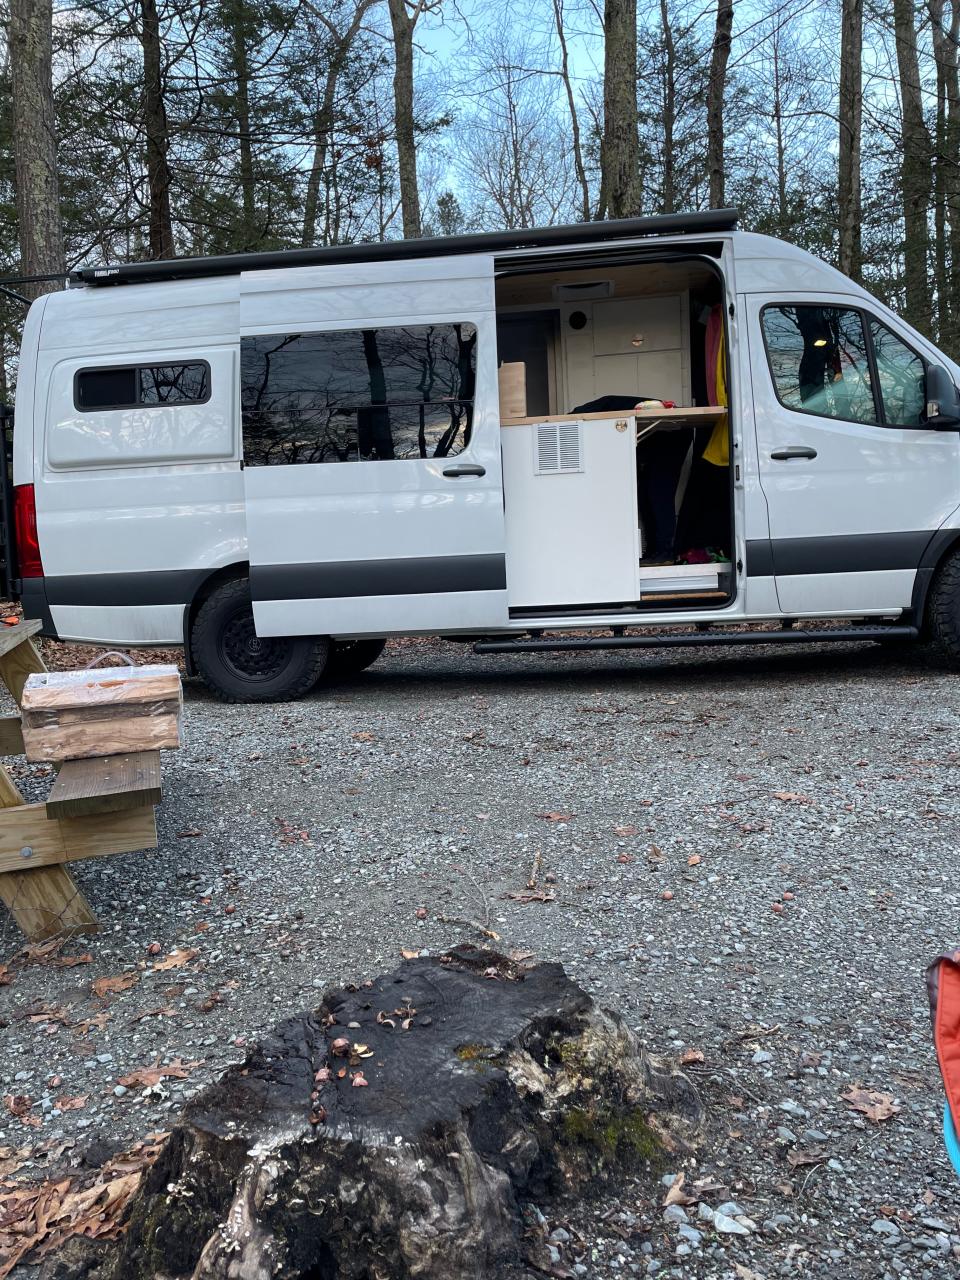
277	460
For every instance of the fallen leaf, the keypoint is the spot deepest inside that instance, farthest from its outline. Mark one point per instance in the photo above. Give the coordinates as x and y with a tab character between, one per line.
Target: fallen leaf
531	895
874	1105
67	1103
625	858
798	1157
690	1056
165	1011
50	1013
5	978
19	1106
103	987
791	797
176	959
556	817
147	1076
676	1194
409	955
359	1081
364	737
694	860
189	833
628	830
96	1023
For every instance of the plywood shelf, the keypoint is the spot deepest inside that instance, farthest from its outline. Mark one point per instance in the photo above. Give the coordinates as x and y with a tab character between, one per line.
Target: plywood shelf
692	415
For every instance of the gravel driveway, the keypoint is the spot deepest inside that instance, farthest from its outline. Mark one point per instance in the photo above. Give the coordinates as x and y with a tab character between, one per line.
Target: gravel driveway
752	856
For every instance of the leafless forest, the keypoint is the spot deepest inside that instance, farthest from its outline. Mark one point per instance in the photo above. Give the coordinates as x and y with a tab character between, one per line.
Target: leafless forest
149	128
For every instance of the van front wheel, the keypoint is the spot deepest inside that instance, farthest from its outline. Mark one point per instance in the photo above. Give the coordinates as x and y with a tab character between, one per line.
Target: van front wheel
943	610
237	665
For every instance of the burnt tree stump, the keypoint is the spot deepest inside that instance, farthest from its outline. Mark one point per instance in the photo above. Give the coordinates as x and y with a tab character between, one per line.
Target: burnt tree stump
394	1131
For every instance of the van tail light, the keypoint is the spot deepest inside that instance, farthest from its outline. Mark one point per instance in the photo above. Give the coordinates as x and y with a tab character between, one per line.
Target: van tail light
25	525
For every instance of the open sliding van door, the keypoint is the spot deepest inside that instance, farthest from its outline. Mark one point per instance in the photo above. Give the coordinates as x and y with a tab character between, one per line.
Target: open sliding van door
371	433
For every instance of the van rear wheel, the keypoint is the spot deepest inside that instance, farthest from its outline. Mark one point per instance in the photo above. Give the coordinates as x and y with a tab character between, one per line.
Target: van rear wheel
237	665
350	657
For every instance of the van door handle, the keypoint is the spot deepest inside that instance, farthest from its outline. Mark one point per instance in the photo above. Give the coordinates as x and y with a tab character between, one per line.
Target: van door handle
793	451
465	469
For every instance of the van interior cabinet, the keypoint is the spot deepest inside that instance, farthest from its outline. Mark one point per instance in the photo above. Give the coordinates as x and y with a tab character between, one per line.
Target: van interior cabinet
570	490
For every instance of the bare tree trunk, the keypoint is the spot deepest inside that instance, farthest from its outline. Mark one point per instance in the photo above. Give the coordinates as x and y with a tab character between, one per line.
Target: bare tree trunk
783	211
240	64
35	142
322	127
915	169
851	116
720	56
620	145
946	39
155	127
340	43
403	23
579	167
669	110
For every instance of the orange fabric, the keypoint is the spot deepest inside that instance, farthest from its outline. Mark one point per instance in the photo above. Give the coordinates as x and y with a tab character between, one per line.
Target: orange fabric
946	1029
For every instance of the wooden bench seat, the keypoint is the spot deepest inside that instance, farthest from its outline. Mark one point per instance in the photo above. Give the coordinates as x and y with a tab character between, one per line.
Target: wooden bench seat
105	784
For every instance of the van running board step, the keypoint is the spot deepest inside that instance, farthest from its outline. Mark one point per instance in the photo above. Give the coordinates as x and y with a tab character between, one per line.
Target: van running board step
697	639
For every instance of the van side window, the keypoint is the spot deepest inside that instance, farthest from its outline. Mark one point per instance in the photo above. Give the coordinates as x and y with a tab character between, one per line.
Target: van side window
129	386
358	395
819	362
900	378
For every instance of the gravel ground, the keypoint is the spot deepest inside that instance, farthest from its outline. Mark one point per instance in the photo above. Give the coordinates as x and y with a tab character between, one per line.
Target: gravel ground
752	855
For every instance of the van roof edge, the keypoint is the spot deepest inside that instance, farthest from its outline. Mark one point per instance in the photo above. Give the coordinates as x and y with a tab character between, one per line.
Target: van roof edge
703	221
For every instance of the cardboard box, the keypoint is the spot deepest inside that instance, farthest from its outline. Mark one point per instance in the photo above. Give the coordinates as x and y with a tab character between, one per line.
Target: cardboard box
70	715
512	378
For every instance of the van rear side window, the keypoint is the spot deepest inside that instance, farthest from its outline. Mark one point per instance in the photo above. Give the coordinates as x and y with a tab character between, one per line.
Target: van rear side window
358	395
130	386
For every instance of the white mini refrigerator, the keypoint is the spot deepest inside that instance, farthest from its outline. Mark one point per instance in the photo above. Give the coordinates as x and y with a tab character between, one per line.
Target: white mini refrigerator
570	489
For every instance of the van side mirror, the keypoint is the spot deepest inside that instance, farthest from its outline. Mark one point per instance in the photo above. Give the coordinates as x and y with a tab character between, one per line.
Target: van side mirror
942	410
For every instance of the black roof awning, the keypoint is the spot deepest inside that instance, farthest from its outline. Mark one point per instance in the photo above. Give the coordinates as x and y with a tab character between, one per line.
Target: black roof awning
586	233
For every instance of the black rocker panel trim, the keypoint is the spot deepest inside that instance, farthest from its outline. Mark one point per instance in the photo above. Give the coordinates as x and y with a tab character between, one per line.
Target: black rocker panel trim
165	586
427	576
406	577
839	553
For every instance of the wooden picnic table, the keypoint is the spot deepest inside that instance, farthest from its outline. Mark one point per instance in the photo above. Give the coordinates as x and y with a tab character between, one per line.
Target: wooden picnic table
96	807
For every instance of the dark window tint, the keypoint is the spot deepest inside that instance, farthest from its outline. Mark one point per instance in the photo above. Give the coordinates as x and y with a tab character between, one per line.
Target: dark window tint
173	383
129	386
818	358
900	375
358	395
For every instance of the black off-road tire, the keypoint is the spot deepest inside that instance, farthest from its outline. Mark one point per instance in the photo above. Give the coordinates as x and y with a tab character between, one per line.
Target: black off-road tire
236	665
943	611
349	657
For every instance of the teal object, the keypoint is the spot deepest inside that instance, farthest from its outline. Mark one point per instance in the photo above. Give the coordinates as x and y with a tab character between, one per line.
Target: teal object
950	1138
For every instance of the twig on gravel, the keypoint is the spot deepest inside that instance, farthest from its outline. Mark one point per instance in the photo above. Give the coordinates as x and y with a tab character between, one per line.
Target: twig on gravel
483	898
535	869
470	924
